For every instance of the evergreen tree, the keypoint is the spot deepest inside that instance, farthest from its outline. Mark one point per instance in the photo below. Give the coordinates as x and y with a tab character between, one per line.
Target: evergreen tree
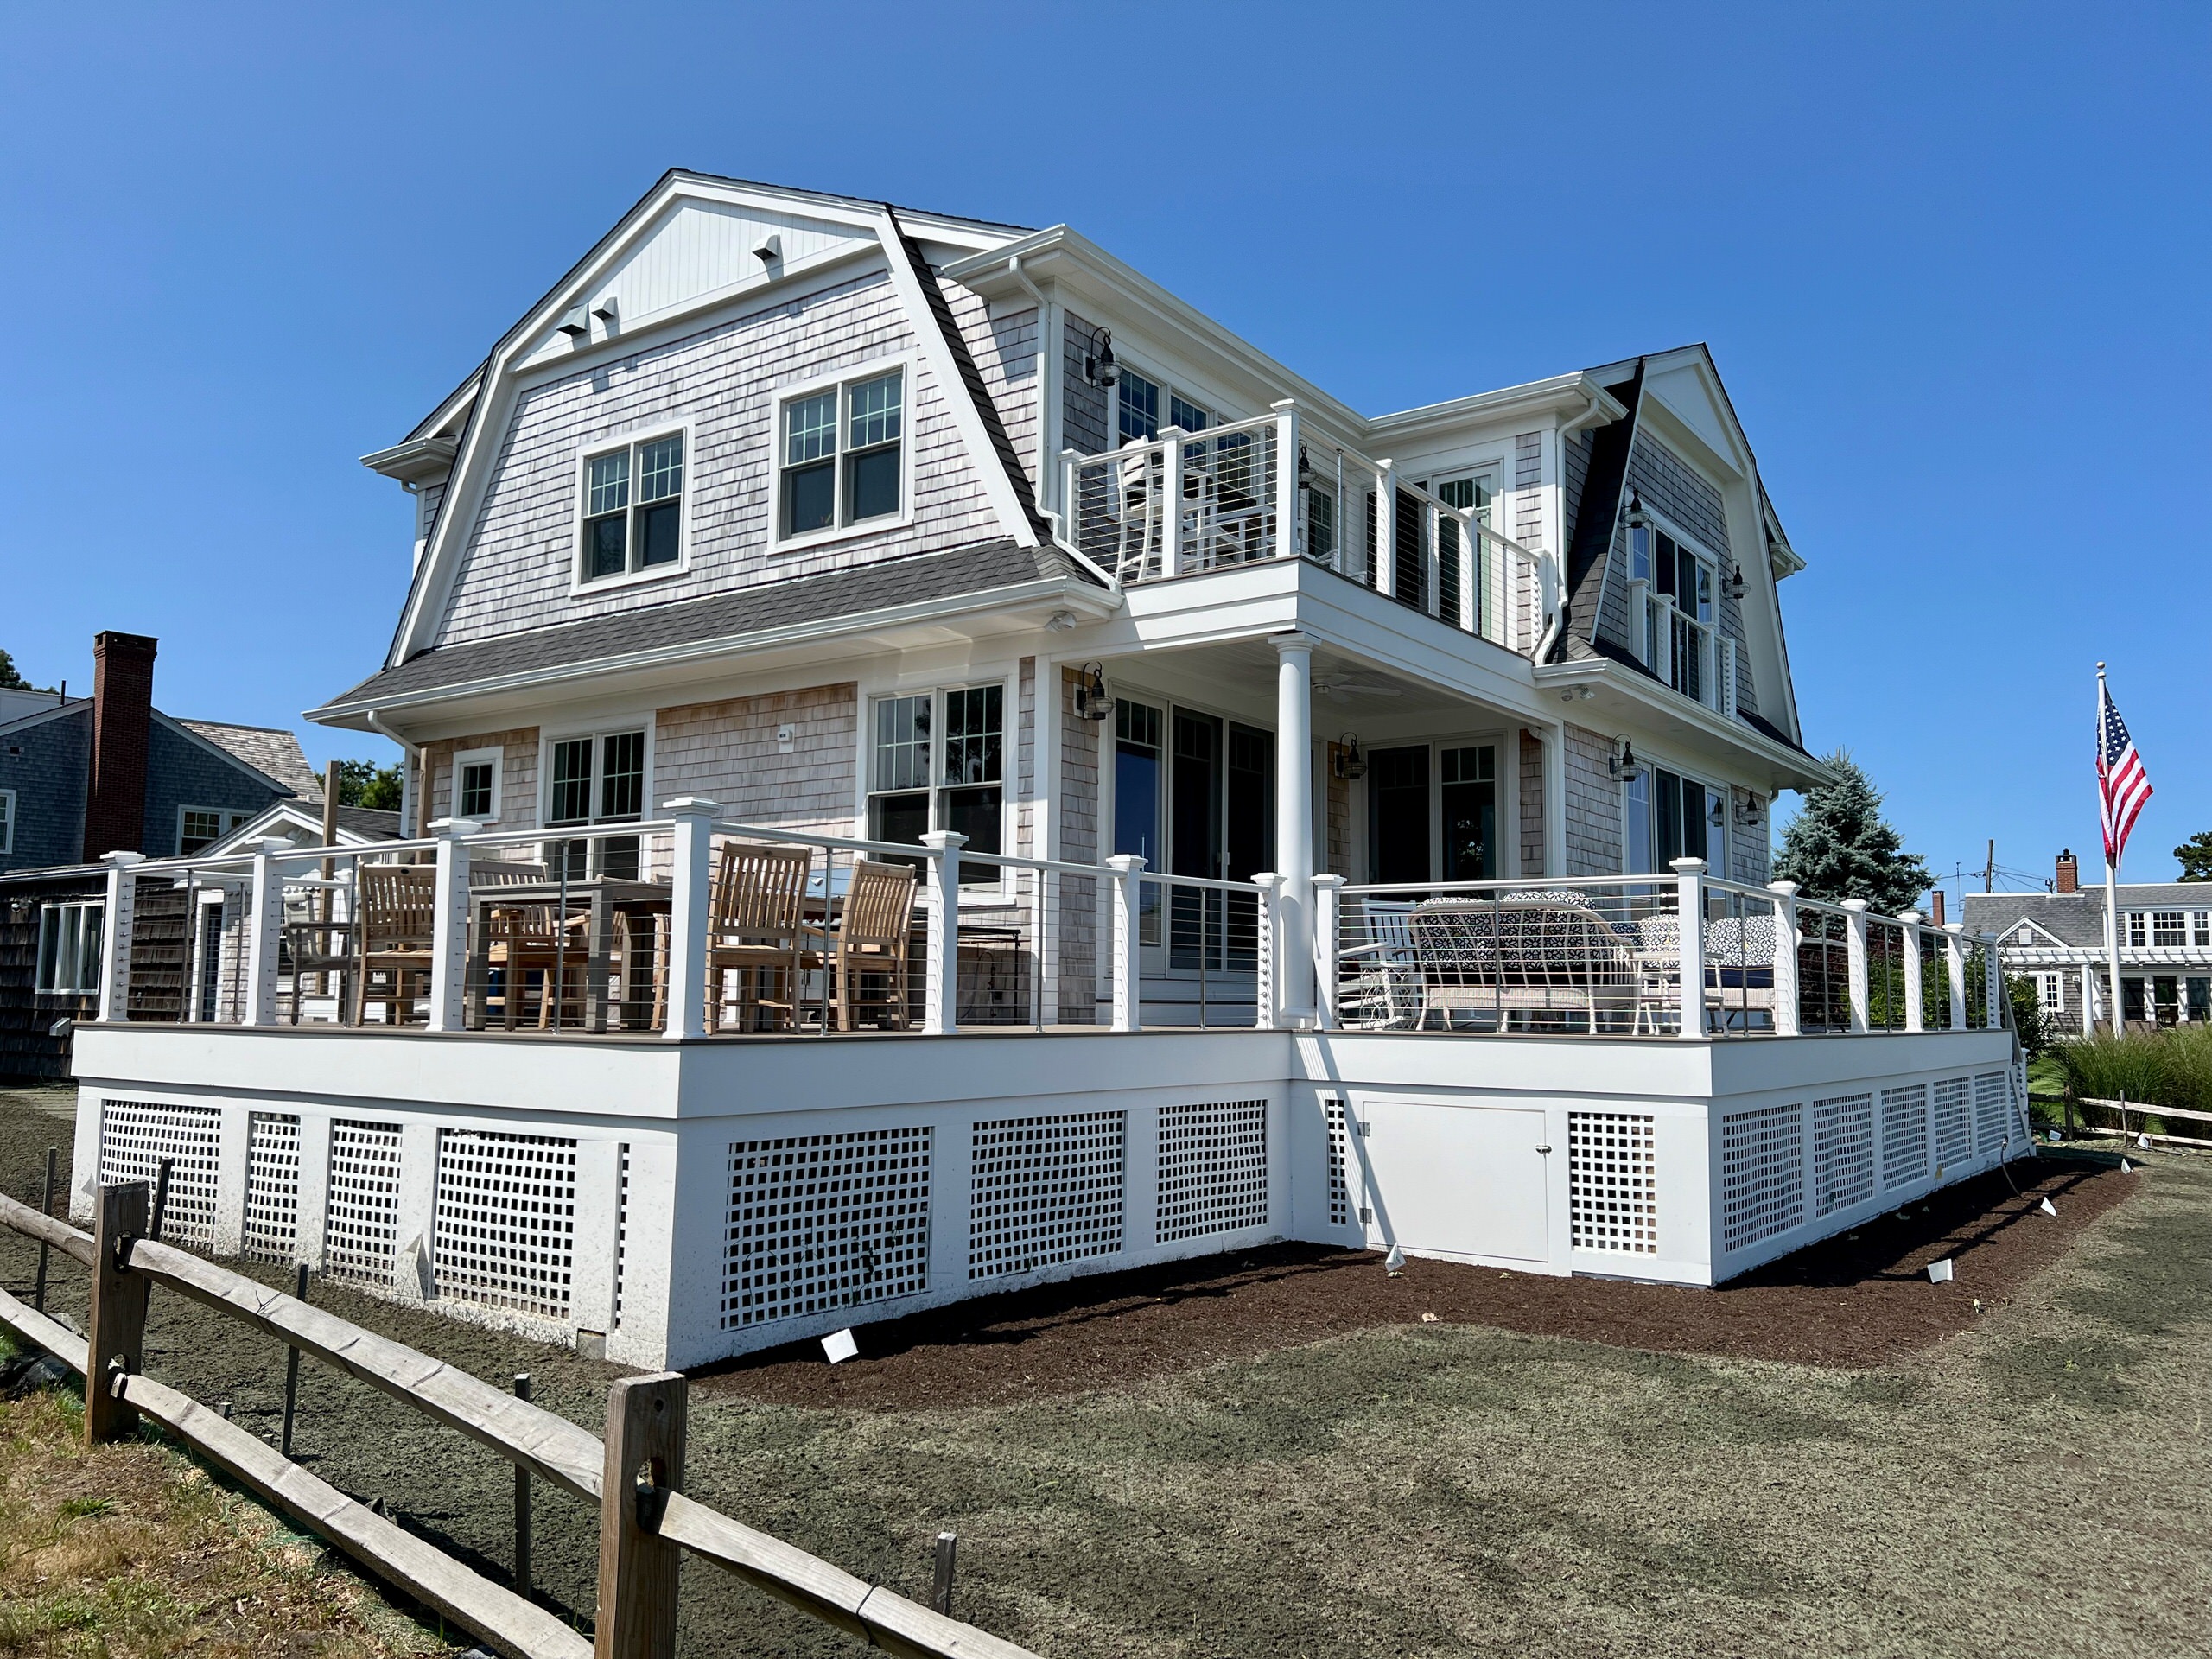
1839	847
2195	856
11	678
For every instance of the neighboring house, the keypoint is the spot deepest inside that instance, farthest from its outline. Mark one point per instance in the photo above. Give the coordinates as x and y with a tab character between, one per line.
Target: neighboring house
2058	940
789	518
83	777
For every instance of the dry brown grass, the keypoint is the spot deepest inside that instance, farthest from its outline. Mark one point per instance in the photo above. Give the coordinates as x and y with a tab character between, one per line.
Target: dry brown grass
131	1550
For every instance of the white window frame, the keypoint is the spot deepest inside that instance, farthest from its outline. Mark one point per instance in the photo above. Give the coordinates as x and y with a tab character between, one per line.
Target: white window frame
229	818
496	758
1172	386
2050	991
903	363
6	820
88	963
1661	524
598	732
937	785
2200	929
2138	924
2180	918
631	440
1650	765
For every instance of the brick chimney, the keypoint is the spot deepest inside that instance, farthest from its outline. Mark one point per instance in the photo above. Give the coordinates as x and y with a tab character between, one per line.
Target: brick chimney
2069	873
1935	908
123	718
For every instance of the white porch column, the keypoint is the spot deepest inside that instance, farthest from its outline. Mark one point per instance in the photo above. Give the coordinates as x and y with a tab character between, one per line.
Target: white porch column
692	874
1689	911
116	926
1125	967
1855	957
449	926
1286	414
2088	999
1555	800
941	997
1327	889
1384	552
1786	941
264	935
1266	1000
1912	1021
1294	826
1955	956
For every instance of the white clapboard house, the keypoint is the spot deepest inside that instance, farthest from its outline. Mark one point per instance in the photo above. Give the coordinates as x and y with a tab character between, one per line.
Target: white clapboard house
934	765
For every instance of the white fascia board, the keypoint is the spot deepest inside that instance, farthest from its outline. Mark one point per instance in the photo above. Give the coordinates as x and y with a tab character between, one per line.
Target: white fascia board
1667	707
1060	592
414	460
1089	275
1567	394
40	716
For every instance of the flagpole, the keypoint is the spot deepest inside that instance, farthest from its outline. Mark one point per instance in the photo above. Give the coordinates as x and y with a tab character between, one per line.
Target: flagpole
2112	875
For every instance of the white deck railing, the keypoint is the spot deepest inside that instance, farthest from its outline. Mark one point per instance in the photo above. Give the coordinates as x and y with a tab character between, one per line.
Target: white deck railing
1277	488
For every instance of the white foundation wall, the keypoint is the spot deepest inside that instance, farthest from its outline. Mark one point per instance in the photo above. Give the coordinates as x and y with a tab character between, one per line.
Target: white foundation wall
672	1205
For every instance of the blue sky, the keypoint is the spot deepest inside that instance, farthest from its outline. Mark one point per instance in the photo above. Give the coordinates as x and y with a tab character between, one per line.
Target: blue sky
1952	261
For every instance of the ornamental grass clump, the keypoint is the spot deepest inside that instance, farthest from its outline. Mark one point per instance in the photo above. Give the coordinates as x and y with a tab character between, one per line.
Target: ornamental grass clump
2149	1068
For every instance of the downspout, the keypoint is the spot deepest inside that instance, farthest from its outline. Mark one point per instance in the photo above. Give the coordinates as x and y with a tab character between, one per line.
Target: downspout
412	757
1048	423
1548	564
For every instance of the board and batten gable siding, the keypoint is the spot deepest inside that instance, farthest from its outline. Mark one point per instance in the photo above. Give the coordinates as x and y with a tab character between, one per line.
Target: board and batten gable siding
516	569
1593	805
1005	352
1671	485
727	751
518	748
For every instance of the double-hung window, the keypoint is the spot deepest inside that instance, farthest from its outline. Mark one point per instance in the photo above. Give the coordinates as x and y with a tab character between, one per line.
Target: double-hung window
938	761
2138	929
2199	928
6	820
2169	929
632	509
69	947
842	455
202	826
595	778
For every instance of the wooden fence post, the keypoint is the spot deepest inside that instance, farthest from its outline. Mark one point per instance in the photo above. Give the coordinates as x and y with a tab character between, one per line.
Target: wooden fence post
522	1504
118	1312
637	1568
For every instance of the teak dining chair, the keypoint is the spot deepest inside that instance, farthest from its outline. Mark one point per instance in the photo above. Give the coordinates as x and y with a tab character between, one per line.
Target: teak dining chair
753	931
874	936
397	907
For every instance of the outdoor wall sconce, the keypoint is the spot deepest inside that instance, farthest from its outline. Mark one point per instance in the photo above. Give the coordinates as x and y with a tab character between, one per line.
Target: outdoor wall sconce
1098	365
1091	701
1622	763
1639	539
1347	762
1736	583
1638	518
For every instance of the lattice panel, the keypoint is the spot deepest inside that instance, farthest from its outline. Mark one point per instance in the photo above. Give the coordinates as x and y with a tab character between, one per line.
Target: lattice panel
361	1232
272	1187
1993	1106
1843	1153
136	1134
506	1234
1904	1134
1612	1190
1762	1174
1213	1169
1339	1186
824	1221
1953	1123
1045	1190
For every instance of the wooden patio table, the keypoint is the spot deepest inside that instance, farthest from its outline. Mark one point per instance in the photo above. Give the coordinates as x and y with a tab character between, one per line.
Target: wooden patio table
597	898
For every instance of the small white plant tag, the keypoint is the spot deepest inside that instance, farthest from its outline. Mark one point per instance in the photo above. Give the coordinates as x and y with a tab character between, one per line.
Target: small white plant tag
2048	1207
2126	1168
841	1347
1939	1273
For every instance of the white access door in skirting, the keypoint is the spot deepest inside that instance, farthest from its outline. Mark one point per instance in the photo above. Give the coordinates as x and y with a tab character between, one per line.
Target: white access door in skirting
1456	1181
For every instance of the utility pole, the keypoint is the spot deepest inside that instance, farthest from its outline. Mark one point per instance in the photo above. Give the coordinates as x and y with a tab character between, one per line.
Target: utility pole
1989	870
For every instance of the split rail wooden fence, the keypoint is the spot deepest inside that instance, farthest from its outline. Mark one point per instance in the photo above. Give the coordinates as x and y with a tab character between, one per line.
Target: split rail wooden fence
635	1474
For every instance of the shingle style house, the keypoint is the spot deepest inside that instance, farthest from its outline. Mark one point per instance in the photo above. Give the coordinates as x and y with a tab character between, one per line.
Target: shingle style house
661	503
2058	941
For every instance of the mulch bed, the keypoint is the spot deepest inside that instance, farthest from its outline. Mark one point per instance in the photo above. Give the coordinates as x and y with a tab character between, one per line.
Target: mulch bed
1858	1300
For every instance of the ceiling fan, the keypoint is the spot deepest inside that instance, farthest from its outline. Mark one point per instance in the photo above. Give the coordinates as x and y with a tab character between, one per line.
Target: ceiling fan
1344	687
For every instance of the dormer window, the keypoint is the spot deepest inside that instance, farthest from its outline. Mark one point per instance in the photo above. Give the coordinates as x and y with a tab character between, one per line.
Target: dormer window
842	457
633	520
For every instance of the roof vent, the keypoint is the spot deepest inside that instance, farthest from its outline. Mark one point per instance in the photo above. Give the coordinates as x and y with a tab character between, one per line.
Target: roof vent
604	311
769	249
574	324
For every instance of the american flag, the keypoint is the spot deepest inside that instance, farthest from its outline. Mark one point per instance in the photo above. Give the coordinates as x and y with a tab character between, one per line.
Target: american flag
2122	785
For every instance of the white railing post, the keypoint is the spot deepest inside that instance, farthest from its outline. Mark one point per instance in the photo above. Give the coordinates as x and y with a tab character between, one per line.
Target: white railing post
1662	648
1328	898
264	937
1266	994
449	926
1431	564
1786	941
1071	499
1955	956
1689	909
1171	562
941	996
1992	984
1385	550
116	922
691	902
1639	619
1471	574
1128	870
1286	411
1855	956
1911	919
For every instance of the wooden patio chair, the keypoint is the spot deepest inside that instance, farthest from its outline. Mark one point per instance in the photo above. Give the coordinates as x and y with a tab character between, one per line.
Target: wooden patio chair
396	906
755	929
874	936
641	944
525	940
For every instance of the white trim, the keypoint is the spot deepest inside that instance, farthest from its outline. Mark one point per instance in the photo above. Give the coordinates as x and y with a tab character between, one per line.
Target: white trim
47	913
580	586
782	396
496	758
612	726
1008	680
229	818
6	820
